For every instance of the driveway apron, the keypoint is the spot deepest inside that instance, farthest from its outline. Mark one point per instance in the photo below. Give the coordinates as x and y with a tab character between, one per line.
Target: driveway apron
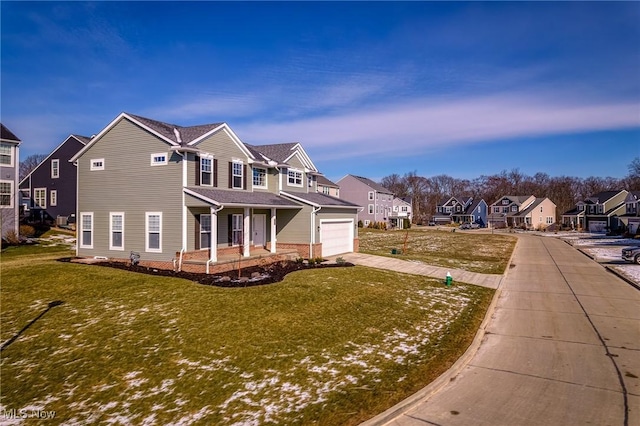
561	346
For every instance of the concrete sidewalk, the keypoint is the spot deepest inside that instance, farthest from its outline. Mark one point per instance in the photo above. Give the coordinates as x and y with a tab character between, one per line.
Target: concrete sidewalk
419	268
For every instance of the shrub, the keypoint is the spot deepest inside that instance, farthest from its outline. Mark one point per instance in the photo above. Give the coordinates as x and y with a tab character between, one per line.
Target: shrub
319	260
340	261
27	231
406	223
299	260
12	238
360	224
311	261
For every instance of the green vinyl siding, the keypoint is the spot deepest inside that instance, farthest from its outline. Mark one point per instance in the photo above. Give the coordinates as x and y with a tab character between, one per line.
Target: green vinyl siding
294	226
131	185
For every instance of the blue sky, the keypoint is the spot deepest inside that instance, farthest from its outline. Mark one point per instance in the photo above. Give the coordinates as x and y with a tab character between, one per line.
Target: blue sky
368	88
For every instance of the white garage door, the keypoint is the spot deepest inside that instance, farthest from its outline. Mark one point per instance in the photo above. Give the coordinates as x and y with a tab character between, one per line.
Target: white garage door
597	226
336	237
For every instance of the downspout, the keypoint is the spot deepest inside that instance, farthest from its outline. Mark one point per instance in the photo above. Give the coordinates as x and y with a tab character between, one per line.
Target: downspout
184	210
313	228
209	261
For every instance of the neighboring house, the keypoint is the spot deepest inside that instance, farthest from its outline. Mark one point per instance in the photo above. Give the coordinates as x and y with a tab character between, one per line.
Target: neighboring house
48	192
9	172
461	210
401	211
631	218
599	213
325	186
375	198
522	211
174	193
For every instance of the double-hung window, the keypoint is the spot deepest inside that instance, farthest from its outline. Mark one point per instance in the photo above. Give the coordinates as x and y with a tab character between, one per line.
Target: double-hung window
206	171
370	209
294	177
55	169
116	221
236	229
154	232
205	231
6	154
86	230
6	193
53	197
259	177
40	197
237	174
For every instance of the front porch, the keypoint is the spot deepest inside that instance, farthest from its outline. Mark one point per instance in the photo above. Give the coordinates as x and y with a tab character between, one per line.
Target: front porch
231	259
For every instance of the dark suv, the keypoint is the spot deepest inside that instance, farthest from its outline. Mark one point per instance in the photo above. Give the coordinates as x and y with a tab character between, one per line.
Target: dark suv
631	254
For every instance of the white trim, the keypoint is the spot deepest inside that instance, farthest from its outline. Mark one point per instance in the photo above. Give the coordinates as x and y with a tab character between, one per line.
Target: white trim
146	232
266	182
96	164
12	154
235	162
111	215
56	169
294	170
208	157
51	155
11	193
35	199
53	197
159	159
351	230
82	230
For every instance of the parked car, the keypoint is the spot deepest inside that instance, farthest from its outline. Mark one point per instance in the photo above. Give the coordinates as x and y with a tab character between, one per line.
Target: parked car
432	223
631	254
468	225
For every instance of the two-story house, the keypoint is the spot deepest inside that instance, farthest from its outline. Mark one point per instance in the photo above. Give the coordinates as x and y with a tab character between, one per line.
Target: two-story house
460	209
48	192
9	173
631	218
522	211
173	193
598	213
402	210
375	198
325	186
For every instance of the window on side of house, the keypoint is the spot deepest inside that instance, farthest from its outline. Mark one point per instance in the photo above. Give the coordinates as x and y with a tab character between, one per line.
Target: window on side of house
236	229
153	232
370	195
370	209
310	181
6	154
259	177
53	197
159	159
367	222
55	169
6	193
205	231
116	231
549	220
97	164
206	171
294	177
237	174
86	230
40	197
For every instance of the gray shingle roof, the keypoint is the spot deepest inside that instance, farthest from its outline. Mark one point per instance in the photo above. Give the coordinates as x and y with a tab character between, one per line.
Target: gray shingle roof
84	139
318	199
603	196
373	184
231	197
187	134
7	134
277	152
322	180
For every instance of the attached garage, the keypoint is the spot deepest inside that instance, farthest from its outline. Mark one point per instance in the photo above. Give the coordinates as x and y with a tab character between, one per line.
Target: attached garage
336	236
597	226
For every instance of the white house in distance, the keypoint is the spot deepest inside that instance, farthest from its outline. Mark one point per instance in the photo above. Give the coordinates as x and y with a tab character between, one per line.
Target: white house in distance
9	173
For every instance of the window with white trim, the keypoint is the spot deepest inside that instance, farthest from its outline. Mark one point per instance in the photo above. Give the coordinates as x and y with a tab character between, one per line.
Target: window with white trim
97	164
505	201
53	197
294	177
549	220
370	209
237	174
205	231
309	181
40	197
514	208
236	229
326	190
159	159
116	231
370	195
367	222
6	154
86	230
206	170
496	209
259	177
153	231
6	193
55	169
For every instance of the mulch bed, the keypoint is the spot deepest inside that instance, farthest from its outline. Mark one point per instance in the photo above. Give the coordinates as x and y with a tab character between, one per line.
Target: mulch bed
249	277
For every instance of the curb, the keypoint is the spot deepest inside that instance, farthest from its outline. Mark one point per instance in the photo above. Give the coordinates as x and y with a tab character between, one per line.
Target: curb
448	376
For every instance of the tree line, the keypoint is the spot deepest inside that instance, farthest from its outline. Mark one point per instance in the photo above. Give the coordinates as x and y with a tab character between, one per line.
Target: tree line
564	191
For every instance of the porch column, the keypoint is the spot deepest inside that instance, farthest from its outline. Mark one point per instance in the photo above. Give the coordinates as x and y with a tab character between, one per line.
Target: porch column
213	250
273	230
246	233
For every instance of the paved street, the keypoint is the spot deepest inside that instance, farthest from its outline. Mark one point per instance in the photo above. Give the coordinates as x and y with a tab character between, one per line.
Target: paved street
561	347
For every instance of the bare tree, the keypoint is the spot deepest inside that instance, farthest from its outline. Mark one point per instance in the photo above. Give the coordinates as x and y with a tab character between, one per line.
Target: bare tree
28	164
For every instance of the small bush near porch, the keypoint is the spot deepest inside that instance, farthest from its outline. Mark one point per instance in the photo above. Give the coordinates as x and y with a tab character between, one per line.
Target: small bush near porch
327	346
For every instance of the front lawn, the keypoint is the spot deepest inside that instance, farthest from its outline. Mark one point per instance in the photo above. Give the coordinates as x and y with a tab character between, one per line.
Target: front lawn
327	346
474	252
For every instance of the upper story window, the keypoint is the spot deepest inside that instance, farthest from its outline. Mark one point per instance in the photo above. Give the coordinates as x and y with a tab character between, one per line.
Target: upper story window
326	190
237	174
505	202
6	194
294	177
309	181
159	159
40	197
97	164
370	195
405	209
6	154
55	168
206	171
514	208
259	177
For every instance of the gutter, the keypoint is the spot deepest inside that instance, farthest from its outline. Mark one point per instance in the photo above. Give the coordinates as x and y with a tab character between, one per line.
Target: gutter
314	210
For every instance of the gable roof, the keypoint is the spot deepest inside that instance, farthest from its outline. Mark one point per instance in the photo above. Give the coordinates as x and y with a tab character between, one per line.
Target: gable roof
84	140
322	180
371	184
317	199
283	152
602	197
7	135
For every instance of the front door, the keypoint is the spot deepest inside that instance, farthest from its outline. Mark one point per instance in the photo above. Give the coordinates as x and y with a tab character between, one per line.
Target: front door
259	227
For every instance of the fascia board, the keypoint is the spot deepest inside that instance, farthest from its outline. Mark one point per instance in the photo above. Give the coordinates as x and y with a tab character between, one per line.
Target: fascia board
201	197
50	155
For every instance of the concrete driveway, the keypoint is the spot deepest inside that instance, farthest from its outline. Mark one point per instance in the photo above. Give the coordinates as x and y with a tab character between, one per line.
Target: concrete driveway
560	346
